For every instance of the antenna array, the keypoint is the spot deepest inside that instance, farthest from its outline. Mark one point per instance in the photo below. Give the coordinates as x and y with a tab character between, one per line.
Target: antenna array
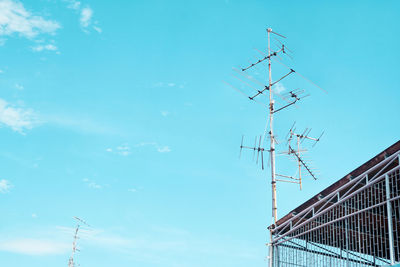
290	98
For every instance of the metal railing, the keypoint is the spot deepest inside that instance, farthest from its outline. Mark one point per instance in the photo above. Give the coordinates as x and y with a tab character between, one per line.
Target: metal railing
358	224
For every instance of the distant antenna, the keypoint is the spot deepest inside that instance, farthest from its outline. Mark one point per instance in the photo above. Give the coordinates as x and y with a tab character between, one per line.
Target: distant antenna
71	262
290	99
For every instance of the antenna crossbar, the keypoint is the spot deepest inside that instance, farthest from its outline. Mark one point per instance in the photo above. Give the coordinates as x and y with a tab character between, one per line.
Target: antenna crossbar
286	181
272	84
286	176
273	54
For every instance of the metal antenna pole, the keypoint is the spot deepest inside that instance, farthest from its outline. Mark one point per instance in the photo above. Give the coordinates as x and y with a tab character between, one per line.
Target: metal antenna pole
272	146
271	133
71	260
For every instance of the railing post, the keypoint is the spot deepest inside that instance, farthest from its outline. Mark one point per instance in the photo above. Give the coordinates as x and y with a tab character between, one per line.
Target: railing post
389	218
347	235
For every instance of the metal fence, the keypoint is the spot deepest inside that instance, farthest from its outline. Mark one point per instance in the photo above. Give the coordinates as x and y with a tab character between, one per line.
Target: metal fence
357	224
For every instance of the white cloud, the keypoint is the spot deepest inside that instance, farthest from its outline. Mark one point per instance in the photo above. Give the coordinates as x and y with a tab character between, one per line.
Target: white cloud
123	147
92	184
159	148
159	245
5	186
146	144
15	19
164	113
124	153
97	29
279	88
34	246
133	190
17	119
123	150
34	215
49	47
86	16
19	86
164	149
72	4
168	84
79	123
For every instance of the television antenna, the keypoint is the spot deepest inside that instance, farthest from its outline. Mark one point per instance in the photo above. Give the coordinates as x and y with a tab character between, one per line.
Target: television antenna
71	262
301	162
291	98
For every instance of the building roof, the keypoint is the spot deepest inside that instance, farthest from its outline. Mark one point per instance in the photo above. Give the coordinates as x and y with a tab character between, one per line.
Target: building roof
335	186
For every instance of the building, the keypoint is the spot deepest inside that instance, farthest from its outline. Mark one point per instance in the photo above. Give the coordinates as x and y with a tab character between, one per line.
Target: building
353	222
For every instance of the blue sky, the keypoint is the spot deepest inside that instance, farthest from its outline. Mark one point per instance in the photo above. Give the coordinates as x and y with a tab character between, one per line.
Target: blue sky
116	112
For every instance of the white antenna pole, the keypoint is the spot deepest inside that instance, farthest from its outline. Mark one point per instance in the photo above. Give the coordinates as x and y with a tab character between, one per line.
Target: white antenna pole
272	147
71	260
271	133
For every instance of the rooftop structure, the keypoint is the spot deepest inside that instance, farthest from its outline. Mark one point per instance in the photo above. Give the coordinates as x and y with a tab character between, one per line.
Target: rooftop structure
353	222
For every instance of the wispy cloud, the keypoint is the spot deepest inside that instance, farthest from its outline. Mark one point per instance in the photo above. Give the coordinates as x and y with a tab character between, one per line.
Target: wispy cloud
126	150
5	186
92	184
164	113
86	17
169	84
158	147
48	47
164	149
141	144
279	88
73	4
81	124
15	19
34	246
19	86
97	29
163	245
18	119
123	150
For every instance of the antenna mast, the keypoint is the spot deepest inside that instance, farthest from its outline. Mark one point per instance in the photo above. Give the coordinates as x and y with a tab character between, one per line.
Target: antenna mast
74	249
71	262
294	96
271	132
272	145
